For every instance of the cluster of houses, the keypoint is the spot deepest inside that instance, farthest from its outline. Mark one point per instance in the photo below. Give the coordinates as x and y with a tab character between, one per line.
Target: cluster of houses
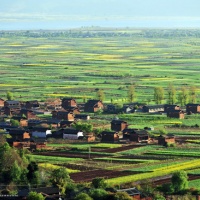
34	131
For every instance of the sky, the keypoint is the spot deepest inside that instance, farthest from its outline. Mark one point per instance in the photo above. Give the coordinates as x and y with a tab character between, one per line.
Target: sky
65	14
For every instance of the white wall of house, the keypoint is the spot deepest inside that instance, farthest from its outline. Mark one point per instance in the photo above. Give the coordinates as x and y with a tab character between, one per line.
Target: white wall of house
73	136
41	134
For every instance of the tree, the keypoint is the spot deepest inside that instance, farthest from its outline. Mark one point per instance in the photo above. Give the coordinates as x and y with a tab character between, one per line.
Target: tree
192	94
122	196
33	175
9	96
15	173
85	127
83	196
14	122
131	93
158	95
179	181
35	196
100	95
183	96
98	194
171	91
99	183
59	178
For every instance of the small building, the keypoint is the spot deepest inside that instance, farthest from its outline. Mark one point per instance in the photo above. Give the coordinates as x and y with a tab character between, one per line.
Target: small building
136	135
68	103
69	116
29	114
1	103
176	114
12	104
108	136
74	110
53	104
65	123
169	107
25	144
93	106
128	109
110	108
19	134
90	137
34	122
34	104
192	108
11	111
164	139
23	122
118	125
153	108
72	134
82	116
133	192
40	132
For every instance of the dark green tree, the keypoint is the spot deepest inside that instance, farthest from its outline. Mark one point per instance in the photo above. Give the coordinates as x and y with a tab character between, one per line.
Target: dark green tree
99	183
35	196
158	95
122	196
179	181
98	194
83	196
60	177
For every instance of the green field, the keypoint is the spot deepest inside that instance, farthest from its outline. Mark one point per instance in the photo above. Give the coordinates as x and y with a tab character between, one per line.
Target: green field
45	65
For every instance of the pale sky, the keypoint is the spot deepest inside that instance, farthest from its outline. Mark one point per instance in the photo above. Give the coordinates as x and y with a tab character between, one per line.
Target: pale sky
63	14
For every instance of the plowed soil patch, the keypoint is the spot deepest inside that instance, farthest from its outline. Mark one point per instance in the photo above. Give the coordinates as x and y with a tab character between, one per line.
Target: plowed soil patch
89	175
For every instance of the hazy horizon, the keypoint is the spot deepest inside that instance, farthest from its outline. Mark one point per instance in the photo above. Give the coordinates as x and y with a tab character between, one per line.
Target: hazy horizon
64	14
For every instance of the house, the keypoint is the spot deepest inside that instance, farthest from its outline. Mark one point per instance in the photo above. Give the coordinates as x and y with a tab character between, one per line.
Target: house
110	108
12	104
40	132
53	104
69	116
29	114
38	143
192	108
136	135
118	125
1	103
23	122
128	109
90	137
65	123
19	144
93	106
176	114
133	192
68	102
72	134
153	108
108	136
11	111
34	122
48	192
168	107
164	139
82	116
74	110
32	105
19	134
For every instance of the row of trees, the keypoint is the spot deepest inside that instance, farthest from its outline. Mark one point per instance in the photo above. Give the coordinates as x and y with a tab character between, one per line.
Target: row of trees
183	95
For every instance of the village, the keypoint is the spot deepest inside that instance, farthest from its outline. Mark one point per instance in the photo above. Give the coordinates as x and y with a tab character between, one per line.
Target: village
33	132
